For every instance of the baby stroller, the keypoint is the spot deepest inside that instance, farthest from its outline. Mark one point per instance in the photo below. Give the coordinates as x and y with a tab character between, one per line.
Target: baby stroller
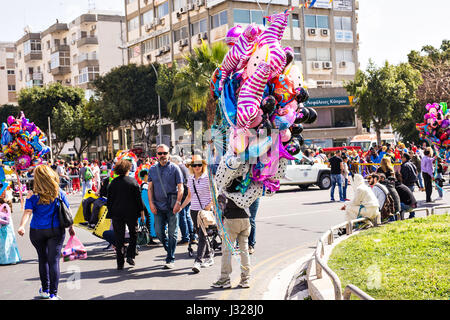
208	226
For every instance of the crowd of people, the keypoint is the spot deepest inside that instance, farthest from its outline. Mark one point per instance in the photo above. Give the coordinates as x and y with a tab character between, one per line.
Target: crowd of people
175	195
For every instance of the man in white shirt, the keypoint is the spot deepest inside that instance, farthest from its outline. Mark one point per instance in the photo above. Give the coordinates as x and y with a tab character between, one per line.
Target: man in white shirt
96	172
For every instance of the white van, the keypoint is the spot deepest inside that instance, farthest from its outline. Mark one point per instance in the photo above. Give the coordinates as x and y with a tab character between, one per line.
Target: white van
366	141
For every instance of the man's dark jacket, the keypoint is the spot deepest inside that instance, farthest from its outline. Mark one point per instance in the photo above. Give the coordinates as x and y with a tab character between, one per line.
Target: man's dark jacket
124	199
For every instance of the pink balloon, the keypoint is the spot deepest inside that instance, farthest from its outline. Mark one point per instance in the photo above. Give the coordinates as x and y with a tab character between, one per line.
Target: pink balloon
257	120
233	35
285	135
260	55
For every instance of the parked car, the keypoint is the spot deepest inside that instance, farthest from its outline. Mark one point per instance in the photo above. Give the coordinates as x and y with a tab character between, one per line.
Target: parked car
306	173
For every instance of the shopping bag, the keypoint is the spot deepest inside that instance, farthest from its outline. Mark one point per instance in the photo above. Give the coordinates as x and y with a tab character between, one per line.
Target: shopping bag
5	214
74	250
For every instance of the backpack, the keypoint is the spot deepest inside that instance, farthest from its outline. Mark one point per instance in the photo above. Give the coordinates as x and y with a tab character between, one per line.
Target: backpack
388	208
88	175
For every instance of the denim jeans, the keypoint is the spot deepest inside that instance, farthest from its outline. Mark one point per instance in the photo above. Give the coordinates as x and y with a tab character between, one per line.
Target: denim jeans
169	239
253	210
86	185
344	188
411	188
186	224
336	179
406	208
419	176
48	244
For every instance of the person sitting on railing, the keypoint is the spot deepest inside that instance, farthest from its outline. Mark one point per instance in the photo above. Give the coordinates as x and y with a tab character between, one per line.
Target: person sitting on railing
91	216
389	183
364	202
407	200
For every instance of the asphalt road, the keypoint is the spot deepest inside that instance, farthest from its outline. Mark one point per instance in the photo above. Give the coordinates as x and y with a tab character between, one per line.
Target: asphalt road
288	226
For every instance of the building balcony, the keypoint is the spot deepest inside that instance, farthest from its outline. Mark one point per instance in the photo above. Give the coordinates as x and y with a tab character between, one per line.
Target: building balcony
87	60
88	18
60	47
34	55
60	70
87	41
36	76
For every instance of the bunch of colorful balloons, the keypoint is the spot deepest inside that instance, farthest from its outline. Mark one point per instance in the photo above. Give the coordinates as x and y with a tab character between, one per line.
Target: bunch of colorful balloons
260	94
436	125
23	143
127	155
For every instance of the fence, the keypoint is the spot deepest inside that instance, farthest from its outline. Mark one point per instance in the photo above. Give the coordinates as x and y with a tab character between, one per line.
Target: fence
328	237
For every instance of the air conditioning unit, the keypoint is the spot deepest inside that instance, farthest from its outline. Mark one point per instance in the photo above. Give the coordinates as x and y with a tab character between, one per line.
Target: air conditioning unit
327	65
94	27
183	43
68	81
156	22
73	42
159	52
200	3
182	10
179	14
316	65
190	7
342	64
324	32
166	49
148	27
312	32
205	35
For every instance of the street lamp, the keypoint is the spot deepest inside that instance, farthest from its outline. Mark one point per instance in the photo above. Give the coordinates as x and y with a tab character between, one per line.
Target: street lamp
159	106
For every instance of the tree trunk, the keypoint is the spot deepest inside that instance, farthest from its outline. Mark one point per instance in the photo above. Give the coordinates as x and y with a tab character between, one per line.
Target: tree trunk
210	111
378	132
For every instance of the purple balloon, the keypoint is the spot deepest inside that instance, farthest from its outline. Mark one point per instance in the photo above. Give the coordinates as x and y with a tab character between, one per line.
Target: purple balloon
233	34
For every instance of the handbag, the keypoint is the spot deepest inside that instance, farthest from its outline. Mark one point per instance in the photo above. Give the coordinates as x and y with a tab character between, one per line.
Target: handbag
5	214
64	214
74	250
143	235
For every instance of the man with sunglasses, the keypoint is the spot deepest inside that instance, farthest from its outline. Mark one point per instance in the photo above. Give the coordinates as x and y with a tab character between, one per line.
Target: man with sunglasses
165	191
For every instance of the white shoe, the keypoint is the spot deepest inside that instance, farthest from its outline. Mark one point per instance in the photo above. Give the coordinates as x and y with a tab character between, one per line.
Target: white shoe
55	297
196	267
43	294
439	198
208	263
169	265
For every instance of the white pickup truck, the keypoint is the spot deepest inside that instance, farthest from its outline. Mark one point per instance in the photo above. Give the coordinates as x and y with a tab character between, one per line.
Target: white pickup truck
305	173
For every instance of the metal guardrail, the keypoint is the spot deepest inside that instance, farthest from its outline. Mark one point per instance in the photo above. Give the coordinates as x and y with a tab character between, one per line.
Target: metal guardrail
328	237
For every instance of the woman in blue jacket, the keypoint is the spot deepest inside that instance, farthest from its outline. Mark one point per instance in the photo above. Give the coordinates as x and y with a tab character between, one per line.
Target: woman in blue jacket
46	235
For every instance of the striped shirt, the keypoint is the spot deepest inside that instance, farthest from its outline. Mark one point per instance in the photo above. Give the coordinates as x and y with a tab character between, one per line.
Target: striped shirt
202	186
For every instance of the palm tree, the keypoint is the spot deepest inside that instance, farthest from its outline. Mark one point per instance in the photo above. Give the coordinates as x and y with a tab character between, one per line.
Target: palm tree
191	83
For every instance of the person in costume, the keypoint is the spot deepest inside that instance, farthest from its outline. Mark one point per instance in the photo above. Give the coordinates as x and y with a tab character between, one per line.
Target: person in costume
9	252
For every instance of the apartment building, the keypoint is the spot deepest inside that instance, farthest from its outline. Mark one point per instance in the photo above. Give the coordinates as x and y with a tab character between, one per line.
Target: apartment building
7	74
324	39
73	54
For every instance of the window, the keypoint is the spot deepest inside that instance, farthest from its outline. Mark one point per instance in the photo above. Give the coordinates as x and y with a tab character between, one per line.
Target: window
11	87
163	9
297	54
48	44
178	4
134	51
344	55
198	27
318	54
147	17
343	23
60	59
180	34
88	74
219	19
11	71
148	46
130	1
295	21
20	75
20	55
344	117
248	16
163	40
313	21
75	59
31	46
133	24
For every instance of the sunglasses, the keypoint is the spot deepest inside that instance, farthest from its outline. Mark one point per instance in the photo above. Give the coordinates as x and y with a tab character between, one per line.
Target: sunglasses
197	165
163	153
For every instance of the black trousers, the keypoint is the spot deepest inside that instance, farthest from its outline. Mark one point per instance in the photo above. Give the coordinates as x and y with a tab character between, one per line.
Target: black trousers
48	244
428	185
202	247
119	232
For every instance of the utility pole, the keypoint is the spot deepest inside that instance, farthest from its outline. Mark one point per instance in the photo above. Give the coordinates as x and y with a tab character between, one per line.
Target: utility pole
50	140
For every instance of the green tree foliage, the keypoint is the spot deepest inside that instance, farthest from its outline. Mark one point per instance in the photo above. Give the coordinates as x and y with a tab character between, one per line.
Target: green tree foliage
434	66
7	110
191	93
127	93
38	102
384	95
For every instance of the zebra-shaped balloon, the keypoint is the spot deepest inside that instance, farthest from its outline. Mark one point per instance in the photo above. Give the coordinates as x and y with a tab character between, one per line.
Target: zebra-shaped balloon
250	96
272	37
239	54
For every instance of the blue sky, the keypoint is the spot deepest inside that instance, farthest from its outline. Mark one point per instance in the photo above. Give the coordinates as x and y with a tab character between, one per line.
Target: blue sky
389	29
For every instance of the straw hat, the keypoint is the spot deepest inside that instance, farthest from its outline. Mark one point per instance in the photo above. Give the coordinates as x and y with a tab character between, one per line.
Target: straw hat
196	159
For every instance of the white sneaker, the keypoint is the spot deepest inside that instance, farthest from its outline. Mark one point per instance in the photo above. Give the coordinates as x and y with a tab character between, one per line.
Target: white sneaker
208	263
43	294
169	265
196	267
55	297
439	198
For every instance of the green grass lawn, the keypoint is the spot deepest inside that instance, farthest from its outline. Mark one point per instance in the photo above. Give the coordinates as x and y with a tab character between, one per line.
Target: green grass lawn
405	260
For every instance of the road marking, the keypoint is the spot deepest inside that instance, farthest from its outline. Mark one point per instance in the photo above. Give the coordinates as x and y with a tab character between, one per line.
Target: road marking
228	292
293	214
